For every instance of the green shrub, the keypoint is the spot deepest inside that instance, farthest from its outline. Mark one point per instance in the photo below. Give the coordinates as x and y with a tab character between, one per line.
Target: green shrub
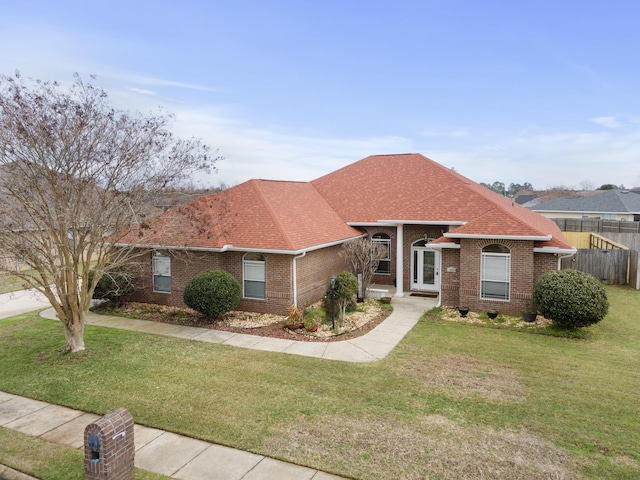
570	298
212	293
114	284
344	290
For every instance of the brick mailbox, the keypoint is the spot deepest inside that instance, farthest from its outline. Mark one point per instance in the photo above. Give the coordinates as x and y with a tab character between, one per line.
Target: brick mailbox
109	448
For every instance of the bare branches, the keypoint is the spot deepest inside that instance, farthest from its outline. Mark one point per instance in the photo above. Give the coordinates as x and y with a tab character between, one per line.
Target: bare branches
363	255
74	170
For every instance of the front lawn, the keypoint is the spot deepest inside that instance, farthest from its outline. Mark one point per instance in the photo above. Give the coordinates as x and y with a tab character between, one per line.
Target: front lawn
451	401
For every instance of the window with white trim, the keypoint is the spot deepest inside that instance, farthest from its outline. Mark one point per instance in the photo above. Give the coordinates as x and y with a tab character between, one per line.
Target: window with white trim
161	271
253	272
495	272
385	263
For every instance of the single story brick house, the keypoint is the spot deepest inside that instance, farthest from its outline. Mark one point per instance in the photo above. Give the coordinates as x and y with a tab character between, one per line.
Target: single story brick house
445	235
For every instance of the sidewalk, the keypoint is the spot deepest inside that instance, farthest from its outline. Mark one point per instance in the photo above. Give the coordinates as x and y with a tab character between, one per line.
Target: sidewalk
21	301
186	458
156	450
373	346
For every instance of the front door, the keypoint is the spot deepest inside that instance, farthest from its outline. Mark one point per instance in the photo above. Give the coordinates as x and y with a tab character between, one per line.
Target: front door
425	267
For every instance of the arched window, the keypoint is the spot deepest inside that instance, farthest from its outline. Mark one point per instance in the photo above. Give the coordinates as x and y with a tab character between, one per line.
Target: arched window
253	275
495	272
385	240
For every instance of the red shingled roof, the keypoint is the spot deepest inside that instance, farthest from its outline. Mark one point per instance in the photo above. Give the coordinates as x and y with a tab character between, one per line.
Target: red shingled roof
258	214
411	187
293	216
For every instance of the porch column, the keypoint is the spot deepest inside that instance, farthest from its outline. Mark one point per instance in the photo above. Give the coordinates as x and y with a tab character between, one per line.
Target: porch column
399	261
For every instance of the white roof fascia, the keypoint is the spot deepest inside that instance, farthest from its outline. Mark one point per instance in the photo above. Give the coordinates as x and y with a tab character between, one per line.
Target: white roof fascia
558	250
231	248
541	238
387	223
365	224
422	222
438	246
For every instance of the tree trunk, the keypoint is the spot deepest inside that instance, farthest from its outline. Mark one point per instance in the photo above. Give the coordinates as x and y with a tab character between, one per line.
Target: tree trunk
74	333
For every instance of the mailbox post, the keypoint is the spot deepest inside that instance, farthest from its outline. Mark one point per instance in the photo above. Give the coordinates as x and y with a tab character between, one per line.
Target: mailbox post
109	448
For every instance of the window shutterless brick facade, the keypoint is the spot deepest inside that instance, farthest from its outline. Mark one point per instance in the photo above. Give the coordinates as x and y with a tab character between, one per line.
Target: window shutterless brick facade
313	272
459	272
526	266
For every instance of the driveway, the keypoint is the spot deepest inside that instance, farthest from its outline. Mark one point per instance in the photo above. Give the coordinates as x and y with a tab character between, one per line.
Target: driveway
22	301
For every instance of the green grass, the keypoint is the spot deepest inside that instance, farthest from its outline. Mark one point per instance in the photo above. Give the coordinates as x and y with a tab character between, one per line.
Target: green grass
451	401
10	283
48	461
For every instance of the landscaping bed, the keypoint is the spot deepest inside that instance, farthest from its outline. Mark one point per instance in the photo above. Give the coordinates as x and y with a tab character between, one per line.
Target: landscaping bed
366	317
541	325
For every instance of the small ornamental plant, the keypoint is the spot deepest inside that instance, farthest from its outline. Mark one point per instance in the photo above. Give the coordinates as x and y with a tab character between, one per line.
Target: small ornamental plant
294	318
212	293
570	298
342	295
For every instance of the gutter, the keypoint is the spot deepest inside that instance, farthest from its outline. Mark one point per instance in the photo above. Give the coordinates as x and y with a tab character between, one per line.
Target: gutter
387	223
231	248
566	252
538	238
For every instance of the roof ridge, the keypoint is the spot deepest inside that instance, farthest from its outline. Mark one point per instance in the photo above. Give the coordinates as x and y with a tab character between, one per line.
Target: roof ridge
275	180
269	207
495	198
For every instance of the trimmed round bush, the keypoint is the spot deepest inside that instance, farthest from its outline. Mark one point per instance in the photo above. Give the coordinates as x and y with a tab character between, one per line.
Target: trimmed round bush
570	298
113	285
212	293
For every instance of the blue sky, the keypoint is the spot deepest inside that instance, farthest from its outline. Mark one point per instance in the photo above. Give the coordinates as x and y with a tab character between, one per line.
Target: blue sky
546	92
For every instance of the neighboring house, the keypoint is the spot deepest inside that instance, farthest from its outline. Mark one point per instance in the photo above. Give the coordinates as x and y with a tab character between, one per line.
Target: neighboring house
445	235
606	205
527	200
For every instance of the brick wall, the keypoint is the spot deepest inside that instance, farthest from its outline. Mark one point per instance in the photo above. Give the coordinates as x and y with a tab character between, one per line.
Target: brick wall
314	271
459	286
522	275
410	234
543	263
450	280
186	265
385	278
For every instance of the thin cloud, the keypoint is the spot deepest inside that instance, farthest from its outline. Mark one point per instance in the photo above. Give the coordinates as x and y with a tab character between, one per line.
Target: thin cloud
154	81
142	91
609	122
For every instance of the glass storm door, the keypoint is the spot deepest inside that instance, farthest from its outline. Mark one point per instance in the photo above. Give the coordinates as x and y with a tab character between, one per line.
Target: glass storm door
425	265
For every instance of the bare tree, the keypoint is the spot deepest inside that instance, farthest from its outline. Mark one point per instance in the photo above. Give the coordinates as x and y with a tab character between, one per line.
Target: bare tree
76	175
363	255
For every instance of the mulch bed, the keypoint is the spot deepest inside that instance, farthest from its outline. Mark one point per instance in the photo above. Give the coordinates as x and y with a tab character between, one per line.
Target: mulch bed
256	324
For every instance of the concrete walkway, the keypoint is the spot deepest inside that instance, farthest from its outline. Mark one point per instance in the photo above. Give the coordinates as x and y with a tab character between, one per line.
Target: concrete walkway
186	458
158	451
370	347
22	301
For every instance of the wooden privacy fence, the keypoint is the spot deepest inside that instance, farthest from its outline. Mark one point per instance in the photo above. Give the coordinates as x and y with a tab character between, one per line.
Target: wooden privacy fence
634	269
609	266
596	225
614	259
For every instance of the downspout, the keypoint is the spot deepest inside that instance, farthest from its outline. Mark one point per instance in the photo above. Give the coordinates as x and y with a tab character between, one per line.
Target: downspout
295	278
399	260
560	257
